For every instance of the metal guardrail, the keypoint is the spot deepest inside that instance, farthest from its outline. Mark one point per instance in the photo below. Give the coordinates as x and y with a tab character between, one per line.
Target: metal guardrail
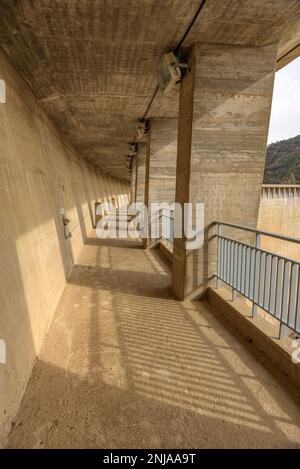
168	221
270	281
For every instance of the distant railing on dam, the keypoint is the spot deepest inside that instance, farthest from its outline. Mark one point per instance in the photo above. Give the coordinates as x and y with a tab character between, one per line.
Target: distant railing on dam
276	191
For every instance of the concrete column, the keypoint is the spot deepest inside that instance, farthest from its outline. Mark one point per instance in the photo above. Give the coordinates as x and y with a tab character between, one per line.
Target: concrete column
141	173
161	159
133	180
114	192
224	110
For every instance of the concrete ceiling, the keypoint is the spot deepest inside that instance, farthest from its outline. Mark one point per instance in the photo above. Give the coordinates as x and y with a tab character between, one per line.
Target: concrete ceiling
91	63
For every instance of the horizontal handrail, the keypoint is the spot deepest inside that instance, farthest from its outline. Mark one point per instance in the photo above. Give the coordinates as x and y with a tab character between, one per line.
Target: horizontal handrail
259	232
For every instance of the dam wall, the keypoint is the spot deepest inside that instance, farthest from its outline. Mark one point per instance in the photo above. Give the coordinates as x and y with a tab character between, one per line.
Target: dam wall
279	212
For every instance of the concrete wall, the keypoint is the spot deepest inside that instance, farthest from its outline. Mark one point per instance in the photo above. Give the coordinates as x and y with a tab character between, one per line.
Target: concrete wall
39	174
279	212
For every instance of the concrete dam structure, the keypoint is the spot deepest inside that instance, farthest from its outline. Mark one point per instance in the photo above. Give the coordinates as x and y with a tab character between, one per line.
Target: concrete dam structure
279	212
105	342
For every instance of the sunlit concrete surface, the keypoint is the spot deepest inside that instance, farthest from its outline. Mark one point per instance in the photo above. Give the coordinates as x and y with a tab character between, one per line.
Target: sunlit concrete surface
279	210
125	364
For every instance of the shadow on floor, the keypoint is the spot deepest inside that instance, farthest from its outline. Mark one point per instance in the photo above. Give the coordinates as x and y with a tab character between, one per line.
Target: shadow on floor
122	281
117	243
125	365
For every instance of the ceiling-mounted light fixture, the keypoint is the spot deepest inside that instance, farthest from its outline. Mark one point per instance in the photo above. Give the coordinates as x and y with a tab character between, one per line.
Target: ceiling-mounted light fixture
141	129
132	153
132	149
129	161
169	72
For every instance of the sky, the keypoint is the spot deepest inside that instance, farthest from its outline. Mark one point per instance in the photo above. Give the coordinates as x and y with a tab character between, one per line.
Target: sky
285	116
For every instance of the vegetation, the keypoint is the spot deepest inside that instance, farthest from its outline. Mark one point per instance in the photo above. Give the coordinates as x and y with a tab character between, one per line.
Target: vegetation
283	162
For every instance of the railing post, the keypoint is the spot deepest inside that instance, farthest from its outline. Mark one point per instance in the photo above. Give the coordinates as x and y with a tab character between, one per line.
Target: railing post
254	306
219	233
282	331
234	292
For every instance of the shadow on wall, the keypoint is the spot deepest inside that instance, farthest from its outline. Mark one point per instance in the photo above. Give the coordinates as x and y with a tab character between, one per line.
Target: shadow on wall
35	165
81	218
29	291
92	215
123	368
28	295
15	373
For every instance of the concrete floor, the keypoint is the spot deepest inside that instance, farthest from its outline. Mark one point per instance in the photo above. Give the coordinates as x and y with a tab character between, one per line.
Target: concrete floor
127	365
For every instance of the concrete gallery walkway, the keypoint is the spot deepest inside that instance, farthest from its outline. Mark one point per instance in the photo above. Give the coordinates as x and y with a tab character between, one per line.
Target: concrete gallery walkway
127	365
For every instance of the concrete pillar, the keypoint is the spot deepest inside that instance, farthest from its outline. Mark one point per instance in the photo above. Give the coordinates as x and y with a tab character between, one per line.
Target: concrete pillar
224	110
114	197
141	173
161	160
133	180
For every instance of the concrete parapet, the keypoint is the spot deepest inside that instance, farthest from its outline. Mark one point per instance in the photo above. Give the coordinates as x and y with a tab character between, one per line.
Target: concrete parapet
261	330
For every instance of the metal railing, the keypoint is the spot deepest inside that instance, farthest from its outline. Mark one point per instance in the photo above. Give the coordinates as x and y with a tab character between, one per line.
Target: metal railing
269	280
168	223
278	191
